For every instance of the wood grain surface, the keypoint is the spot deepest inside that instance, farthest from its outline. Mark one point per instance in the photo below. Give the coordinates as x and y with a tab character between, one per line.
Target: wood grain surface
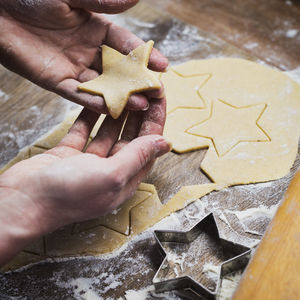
274	272
258	27
182	30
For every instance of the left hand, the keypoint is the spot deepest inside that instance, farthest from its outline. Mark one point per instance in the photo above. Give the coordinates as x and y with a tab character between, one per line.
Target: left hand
65	184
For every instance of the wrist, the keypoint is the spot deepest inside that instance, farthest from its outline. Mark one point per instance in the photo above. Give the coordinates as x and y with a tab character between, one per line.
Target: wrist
19	222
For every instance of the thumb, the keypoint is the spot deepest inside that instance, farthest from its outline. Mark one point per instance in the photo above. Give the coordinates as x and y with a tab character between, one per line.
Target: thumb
103	6
138	153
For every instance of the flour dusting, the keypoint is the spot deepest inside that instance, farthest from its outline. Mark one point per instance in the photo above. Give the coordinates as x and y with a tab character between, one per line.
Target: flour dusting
256	211
255	217
211	270
140	294
251	46
82	288
26	128
228	285
294	74
3	96
291	33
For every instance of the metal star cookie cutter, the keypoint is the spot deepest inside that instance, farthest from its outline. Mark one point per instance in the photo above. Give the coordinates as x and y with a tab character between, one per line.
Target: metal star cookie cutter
240	256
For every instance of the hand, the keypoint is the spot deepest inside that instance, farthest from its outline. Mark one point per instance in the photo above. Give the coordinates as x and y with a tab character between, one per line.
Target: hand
55	44
65	184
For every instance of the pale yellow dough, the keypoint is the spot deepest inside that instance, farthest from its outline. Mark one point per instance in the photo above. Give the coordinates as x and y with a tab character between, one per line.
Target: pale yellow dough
122	76
250	123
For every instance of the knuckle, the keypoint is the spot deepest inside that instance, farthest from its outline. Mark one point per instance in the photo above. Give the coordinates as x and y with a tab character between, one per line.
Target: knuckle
117	180
143	155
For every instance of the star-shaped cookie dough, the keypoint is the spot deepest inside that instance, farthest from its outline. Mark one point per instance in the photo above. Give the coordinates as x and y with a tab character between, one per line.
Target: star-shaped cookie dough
182	90
229	125
122	76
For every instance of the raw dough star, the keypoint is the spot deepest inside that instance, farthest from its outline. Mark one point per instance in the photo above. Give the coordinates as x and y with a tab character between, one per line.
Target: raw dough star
184	90
229	125
122	76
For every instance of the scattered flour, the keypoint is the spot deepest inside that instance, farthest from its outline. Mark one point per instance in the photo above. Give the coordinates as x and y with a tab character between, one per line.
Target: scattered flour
291	33
3	96
178	260
262	210
224	219
180	41
250	46
253	244
140	294
250	216
82	288
228	285
146	293
294	74
211	271
86	287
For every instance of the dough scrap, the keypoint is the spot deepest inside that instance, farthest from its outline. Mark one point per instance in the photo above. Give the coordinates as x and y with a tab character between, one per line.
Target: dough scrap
122	76
21	259
251	93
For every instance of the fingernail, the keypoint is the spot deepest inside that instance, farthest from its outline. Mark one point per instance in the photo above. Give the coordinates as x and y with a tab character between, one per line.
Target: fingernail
162	95
146	107
163	146
167	68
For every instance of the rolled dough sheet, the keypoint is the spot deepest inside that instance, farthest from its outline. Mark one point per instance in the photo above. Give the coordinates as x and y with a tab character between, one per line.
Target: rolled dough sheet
248	117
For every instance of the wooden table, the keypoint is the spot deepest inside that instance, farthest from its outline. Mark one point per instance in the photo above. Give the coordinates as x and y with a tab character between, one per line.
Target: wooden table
261	28
267	32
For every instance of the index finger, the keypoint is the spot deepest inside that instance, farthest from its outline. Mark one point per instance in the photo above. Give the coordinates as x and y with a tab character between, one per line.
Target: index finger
134	156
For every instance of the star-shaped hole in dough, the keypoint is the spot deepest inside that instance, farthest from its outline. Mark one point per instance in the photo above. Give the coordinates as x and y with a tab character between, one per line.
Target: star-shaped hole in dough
120	219
183	90
122	76
229	125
